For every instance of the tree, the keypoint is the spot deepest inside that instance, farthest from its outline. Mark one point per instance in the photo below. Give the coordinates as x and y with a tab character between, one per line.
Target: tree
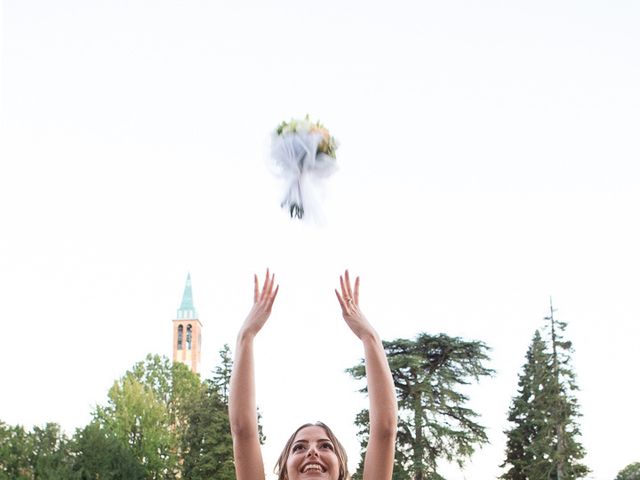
38	454
137	434
207	445
544	441
99	455
175	386
630	472
222	373
221	380
49	456
15	445
564	409
434	423
138	419
148	410
528	413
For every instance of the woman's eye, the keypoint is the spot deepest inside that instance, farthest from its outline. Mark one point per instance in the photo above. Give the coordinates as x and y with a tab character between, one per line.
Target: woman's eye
327	445
297	447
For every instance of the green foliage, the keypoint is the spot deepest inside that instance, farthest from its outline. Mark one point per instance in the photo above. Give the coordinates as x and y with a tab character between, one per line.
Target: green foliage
207	444
138	419
148	411
49	455
528	413
222	373
99	455
630	472
567	451
434	423
14	453
544	439
41	453
159	422
172	423
173	384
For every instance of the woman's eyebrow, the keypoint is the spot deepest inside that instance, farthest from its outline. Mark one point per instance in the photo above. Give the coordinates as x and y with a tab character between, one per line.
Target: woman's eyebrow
304	440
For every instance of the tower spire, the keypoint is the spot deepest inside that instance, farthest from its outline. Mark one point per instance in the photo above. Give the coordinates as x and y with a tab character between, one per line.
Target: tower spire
187	331
187	310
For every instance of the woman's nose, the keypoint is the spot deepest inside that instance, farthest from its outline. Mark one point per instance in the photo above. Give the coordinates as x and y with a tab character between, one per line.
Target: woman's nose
312	451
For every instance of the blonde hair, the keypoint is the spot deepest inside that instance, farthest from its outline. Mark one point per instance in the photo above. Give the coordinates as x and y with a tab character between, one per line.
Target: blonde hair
281	465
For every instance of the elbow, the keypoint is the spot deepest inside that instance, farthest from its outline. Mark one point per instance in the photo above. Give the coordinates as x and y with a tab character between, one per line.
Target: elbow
390	430
386	427
242	429
383	436
238	428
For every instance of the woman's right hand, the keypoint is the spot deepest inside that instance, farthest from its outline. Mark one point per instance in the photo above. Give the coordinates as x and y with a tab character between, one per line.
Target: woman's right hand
262	303
242	396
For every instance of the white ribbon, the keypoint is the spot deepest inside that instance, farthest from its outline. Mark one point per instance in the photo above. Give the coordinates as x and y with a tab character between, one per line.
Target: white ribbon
303	170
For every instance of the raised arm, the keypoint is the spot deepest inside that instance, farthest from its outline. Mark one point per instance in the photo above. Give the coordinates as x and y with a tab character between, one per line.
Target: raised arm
383	407
242	397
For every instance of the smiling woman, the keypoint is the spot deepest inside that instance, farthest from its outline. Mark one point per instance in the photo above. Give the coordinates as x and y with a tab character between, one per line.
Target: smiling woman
313	451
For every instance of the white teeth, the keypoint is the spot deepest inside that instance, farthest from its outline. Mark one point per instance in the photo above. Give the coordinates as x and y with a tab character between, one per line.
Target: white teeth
312	467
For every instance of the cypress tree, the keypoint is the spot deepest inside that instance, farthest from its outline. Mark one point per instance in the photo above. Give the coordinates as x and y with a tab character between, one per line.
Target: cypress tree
528	413
567	451
543	443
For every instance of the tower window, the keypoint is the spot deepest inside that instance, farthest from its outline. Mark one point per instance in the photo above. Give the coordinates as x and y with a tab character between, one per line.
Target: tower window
180	328
189	337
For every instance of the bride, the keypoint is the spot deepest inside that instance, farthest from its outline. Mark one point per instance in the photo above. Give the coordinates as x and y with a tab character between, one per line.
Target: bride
312	452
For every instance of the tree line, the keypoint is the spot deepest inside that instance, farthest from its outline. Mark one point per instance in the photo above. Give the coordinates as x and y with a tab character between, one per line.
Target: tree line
161	421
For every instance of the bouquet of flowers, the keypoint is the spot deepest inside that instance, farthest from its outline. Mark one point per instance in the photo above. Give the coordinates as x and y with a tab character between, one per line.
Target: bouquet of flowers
304	154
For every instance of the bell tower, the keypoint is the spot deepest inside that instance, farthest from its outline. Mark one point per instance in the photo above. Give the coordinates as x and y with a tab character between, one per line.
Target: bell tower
187	332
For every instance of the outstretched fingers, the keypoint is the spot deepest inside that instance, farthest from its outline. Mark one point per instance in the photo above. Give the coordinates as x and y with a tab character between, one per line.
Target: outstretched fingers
268	293
356	291
348	298
273	296
265	286
340	301
271	292
263	299
349	295
256	289
347	284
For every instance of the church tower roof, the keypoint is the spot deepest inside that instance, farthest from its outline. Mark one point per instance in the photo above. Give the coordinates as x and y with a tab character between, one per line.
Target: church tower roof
187	310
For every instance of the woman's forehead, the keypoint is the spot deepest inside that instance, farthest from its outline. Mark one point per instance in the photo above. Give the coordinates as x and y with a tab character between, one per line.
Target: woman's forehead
312	432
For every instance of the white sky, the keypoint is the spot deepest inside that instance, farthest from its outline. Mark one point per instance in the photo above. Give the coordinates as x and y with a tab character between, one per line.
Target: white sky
489	159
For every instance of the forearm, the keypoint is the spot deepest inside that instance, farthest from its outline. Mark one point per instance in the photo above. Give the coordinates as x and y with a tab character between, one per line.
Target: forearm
243	415
242	396
383	407
382	399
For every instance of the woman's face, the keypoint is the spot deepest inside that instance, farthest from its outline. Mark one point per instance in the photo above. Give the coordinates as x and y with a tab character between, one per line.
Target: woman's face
312	456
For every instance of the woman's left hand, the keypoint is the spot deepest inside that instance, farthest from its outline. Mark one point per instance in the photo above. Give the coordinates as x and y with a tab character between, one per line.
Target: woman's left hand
349	299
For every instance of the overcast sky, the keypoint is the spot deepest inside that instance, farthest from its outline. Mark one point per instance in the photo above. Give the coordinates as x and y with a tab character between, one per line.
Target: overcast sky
488	160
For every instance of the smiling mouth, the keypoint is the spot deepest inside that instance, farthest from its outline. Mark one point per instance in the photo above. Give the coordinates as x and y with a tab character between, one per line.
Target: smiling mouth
312	467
